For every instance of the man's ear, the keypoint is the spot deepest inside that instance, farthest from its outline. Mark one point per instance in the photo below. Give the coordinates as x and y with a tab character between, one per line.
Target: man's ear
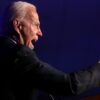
17	26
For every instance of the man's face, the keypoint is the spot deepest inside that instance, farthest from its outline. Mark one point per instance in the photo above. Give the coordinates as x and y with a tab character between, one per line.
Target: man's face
31	29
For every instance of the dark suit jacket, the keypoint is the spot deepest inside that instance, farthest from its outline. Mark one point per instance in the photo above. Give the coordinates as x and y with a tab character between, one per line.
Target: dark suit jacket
23	72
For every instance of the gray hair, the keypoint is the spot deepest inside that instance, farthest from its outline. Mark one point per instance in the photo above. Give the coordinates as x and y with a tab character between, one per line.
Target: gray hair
18	9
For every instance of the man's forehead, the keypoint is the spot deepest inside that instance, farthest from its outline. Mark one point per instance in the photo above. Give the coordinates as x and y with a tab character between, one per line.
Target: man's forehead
32	14
35	17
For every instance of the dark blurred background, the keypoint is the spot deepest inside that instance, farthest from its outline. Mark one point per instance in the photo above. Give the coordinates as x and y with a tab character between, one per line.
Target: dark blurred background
71	35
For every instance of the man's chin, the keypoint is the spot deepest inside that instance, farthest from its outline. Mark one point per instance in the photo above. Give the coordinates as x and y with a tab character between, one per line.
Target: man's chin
30	45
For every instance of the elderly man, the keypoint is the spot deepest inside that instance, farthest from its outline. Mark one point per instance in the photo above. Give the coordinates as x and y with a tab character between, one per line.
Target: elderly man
23	71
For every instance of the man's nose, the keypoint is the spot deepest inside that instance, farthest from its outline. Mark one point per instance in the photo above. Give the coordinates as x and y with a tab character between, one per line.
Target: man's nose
40	32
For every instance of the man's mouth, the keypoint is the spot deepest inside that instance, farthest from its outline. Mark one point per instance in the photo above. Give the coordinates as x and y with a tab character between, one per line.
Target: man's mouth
33	41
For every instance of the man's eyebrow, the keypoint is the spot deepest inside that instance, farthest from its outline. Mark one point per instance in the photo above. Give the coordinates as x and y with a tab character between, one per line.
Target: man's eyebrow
36	22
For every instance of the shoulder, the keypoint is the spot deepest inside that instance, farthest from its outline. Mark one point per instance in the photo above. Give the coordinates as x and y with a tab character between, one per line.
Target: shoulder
25	53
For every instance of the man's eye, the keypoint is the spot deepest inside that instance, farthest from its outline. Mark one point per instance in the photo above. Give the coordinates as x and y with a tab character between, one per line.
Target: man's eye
34	24
37	25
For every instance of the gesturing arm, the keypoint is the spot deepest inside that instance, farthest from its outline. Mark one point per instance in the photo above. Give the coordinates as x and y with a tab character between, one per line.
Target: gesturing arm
43	76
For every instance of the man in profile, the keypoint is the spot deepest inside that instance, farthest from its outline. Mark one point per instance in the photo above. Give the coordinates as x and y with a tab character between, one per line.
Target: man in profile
23	71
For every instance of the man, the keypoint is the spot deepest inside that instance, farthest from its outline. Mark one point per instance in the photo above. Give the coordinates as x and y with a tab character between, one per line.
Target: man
23	71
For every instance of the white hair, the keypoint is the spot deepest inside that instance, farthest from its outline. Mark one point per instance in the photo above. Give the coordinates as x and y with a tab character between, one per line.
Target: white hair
19	9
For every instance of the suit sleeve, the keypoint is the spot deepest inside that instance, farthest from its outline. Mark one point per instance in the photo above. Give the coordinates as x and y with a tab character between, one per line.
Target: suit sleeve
45	77
86	79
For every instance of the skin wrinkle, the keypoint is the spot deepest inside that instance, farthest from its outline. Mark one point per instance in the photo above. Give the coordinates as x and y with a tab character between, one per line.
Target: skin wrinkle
30	28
